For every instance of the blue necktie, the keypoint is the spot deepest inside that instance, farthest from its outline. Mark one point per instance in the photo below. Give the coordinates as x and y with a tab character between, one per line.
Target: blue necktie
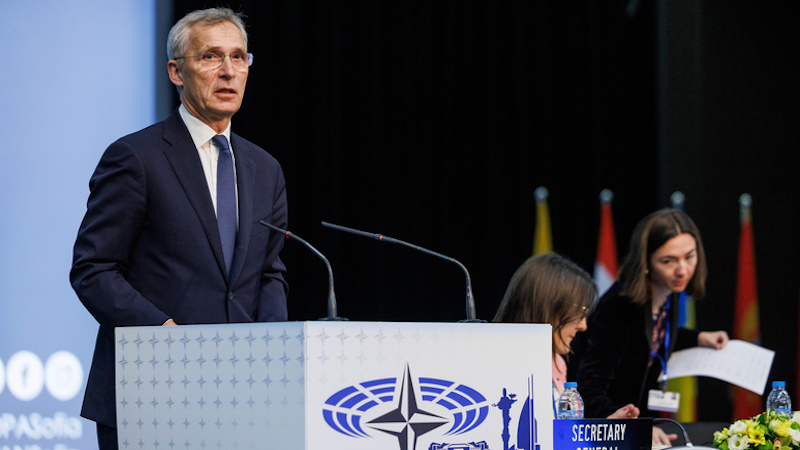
226	200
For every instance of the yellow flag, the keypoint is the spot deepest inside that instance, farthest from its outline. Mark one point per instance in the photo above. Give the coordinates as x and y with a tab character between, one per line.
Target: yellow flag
542	236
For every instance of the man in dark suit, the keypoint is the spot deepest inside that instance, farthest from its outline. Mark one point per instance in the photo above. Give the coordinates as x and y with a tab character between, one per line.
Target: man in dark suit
171	233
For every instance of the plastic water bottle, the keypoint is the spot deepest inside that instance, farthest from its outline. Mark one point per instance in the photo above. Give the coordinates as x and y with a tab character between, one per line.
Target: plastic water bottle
778	399
570	404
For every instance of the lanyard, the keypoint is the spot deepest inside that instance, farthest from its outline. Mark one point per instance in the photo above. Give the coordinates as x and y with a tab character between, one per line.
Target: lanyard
663	359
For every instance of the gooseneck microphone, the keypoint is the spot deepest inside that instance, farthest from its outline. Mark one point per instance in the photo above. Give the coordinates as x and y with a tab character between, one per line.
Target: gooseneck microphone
331	295
470	299
686	442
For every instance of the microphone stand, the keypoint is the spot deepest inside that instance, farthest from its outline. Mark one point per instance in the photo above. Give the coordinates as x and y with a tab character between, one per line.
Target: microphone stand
686	442
470	299
331	295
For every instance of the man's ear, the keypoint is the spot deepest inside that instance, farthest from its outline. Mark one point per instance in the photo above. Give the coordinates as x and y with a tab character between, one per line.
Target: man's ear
175	74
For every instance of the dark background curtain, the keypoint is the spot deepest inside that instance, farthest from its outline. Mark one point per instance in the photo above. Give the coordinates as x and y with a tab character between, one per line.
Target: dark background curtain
434	122
729	118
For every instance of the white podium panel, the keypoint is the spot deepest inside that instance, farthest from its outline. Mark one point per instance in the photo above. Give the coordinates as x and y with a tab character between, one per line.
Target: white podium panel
335	385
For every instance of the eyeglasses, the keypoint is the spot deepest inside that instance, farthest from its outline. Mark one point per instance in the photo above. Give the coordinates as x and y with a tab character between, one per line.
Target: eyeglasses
213	60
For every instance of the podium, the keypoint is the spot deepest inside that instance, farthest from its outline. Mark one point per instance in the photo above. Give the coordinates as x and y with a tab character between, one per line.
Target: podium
335	385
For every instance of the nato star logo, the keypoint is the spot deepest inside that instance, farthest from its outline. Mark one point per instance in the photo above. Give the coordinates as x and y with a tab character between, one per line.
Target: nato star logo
407	421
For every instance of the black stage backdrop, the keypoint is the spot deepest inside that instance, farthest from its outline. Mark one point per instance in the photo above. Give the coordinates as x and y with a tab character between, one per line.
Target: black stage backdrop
730	116
434	122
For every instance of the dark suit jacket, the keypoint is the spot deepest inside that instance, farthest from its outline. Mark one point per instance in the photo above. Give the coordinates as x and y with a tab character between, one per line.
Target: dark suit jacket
611	355
149	250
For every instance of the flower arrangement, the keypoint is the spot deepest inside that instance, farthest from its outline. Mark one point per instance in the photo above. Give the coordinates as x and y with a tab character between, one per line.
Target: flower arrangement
767	431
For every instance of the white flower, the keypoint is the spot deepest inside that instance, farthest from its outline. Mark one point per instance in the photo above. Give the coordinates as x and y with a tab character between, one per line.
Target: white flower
739	427
796	417
795	435
738	442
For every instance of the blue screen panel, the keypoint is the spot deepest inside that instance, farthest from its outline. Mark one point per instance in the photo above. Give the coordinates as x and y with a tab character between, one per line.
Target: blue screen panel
82	74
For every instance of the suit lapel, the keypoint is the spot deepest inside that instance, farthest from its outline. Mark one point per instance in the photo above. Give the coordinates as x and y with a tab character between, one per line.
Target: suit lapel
244	184
182	156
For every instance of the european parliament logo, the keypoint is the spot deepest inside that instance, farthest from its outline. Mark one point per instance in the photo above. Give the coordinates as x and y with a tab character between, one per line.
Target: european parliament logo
405	408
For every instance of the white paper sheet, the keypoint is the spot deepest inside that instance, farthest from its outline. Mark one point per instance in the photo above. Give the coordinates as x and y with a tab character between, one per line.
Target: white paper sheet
740	363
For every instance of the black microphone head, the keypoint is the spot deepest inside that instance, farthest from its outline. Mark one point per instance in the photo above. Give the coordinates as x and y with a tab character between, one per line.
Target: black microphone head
272	227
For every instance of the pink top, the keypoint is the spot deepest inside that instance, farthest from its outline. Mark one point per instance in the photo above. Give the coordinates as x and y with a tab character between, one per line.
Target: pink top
559	374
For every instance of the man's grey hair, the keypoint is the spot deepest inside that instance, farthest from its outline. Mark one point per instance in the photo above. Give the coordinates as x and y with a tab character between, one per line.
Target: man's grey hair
178	39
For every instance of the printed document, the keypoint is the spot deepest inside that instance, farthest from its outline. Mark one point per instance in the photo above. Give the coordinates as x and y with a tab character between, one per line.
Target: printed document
741	363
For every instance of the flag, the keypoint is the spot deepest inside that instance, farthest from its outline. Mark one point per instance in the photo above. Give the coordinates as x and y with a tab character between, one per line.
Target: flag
605	264
542	237
686	386
745	320
686	317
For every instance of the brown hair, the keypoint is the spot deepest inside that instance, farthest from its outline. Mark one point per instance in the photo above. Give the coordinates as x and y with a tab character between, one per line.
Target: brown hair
547	288
650	234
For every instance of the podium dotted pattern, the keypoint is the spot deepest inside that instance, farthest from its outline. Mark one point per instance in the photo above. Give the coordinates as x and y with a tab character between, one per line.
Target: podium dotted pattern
179	377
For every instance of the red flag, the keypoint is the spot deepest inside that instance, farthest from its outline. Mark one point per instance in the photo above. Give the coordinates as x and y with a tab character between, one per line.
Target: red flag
605	265
745	323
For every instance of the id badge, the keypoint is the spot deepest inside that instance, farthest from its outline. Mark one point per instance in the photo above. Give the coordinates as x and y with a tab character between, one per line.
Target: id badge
659	400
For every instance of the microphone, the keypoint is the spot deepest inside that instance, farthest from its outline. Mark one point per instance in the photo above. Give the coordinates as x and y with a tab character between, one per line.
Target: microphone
686	442
470	299
331	295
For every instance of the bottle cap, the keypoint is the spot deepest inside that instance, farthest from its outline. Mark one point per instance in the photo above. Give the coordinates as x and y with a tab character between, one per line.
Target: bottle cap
570	384
778	384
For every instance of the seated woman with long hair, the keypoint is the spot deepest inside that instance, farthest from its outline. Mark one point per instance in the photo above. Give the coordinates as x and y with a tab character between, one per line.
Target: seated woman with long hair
549	288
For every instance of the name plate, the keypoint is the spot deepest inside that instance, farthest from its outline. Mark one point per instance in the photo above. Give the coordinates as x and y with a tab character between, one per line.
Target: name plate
603	434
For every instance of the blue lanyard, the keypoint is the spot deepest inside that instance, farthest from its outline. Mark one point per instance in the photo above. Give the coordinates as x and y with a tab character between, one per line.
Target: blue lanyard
663	359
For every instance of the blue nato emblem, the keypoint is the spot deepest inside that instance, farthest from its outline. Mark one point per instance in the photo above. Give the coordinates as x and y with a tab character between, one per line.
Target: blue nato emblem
356	409
360	411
